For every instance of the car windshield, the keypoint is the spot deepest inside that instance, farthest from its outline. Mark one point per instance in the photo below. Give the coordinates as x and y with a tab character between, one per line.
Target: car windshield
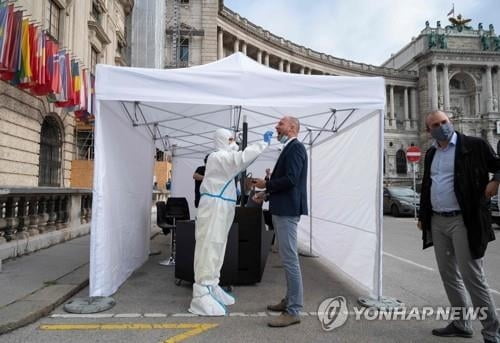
402	192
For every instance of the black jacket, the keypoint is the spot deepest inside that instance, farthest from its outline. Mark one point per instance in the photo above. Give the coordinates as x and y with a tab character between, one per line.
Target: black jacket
474	158
287	187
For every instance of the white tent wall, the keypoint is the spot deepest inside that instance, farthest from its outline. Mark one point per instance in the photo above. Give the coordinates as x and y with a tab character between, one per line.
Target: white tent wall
188	105
346	201
122	197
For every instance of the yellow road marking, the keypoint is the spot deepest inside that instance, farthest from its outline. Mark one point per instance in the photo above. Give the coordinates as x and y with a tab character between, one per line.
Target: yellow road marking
192	329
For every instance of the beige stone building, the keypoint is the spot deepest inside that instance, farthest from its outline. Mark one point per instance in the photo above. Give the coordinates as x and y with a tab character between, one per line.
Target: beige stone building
454	68
39	143
94	32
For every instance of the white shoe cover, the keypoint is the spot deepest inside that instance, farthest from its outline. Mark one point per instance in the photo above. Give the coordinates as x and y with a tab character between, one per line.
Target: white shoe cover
204	304
222	295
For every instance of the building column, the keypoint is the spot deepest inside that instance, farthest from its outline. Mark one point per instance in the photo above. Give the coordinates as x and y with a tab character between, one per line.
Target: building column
413	107
281	65
266	59
476	102
309	71
434	89
288	66
406	109
498	88
244	48
392	119
302	70
446	88
236	45
259	56
488	90
220	44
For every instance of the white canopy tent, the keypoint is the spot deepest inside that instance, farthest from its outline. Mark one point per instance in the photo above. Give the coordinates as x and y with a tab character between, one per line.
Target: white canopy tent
178	110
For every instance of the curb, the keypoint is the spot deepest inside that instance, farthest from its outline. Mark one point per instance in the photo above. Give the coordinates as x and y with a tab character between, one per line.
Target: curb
40	303
44	300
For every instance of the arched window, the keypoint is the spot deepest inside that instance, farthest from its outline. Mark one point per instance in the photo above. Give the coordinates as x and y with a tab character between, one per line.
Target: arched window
50	153
401	166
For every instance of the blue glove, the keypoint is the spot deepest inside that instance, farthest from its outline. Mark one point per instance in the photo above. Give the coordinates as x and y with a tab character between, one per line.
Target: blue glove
267	137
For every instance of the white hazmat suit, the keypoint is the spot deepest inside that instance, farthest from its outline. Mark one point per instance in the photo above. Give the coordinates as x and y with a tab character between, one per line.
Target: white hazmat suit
213	221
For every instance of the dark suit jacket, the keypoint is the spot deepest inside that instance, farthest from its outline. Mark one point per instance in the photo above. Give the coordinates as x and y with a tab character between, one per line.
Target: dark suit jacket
287	187
474	158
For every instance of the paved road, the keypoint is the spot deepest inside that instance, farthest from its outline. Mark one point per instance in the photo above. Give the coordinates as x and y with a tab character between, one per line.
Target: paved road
150	298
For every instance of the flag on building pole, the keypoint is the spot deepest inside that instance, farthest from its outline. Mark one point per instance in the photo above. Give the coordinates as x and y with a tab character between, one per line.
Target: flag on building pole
452	11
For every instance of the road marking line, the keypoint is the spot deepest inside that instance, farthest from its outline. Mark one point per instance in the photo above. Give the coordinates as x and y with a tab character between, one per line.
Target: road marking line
164	315
81	315
128	315
494	291
409	262
184	315
192	329
155	315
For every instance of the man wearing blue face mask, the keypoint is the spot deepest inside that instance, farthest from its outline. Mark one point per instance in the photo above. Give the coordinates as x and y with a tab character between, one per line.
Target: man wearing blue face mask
454	217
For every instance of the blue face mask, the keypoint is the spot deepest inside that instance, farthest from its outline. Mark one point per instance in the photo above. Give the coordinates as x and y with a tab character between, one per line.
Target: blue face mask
443	133
283	138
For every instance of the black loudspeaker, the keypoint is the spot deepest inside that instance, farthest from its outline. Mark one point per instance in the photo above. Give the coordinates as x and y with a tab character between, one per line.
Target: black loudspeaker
184	260
254	244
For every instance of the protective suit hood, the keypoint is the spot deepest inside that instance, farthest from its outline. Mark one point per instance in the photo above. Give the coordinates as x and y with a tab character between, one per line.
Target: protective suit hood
221	139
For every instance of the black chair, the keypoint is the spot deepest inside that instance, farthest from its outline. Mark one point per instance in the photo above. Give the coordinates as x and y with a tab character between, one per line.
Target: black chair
161	217
175	209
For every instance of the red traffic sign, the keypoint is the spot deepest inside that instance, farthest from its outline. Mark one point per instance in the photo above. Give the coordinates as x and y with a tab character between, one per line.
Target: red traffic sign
413	154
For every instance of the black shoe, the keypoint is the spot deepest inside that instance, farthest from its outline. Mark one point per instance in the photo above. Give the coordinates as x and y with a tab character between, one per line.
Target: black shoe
452	331
280	307
486	340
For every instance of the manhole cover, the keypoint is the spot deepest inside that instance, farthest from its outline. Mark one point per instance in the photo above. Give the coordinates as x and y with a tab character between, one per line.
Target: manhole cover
89	305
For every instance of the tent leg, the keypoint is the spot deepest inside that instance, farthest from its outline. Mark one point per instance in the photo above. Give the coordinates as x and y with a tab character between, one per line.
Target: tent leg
310	252
380	302
89	305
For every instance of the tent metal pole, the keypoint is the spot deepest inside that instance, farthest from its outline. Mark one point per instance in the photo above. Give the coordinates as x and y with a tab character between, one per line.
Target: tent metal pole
128	113
144	118
380	302
310	253
182	116
310	194
380	200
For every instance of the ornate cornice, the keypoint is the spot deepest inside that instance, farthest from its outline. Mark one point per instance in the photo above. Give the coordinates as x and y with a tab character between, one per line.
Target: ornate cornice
99	31
459	56
308	54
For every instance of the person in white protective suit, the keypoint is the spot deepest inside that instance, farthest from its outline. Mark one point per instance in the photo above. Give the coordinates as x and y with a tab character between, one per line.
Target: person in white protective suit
214	218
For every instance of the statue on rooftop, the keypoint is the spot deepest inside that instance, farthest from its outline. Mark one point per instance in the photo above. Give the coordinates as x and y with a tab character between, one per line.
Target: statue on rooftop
431	43
485	42
459	23
495	43
442	41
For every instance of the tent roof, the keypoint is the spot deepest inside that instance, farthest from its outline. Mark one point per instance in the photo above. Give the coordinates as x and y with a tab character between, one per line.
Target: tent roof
233	81
183	107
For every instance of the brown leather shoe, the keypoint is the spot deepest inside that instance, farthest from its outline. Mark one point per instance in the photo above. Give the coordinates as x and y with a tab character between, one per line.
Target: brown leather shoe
283	320
280	307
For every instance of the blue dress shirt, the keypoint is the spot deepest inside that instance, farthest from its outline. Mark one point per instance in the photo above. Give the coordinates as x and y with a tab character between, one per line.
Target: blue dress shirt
443	198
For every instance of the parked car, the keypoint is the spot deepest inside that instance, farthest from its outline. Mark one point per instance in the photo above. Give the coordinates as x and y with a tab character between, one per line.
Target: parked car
400	201
494	211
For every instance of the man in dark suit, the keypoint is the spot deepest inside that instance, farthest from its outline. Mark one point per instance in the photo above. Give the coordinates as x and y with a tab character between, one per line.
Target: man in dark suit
454	217
287	195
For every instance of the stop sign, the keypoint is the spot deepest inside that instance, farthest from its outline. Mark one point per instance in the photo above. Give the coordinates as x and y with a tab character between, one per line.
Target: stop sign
413	154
